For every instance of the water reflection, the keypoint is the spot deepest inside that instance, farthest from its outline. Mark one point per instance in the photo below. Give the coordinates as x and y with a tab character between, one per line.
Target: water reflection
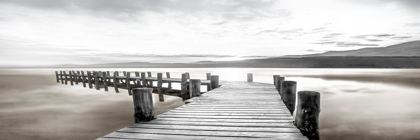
356	103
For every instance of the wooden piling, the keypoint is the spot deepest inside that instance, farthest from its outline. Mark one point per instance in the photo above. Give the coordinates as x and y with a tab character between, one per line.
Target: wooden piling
104	80
143	104
89	75
250	77
289	94
116	81
214	80
143	79
108	75
149	74
127	82
159	87
124	73
184	83
188	75
83	79
61	77
168	75
307	112
195	86
279	85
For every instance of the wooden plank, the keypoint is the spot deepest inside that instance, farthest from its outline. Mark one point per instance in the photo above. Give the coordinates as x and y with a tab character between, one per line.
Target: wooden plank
125	136
251	124
226	114
212	133
223	120
216	128
227	117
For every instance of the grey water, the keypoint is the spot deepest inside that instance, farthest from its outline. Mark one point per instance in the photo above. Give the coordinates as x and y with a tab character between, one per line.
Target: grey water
355	103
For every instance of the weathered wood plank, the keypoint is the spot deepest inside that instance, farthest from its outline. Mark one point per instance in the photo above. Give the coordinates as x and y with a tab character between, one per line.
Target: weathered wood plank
216	128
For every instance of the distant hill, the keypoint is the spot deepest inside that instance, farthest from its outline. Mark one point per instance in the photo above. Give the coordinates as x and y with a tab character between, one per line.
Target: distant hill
403	49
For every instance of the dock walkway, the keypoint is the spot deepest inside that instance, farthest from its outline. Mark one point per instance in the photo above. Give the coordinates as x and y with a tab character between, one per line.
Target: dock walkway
236	110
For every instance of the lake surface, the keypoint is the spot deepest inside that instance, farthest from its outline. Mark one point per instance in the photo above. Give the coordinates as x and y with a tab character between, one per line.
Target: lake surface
355	103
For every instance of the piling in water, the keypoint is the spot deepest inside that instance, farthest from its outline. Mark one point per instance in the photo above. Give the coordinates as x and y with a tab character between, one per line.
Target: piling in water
250	78
307	112
195	88
214	80
289	94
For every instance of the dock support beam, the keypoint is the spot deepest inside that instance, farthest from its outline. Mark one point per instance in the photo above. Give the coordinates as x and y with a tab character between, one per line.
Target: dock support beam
159	87
89	79
149	74
127	82
275	80
183	84
61	77
307	113
250	77
214	80
116	81
104	80
83	79
56	76
143	104
195	88
143	79
289	94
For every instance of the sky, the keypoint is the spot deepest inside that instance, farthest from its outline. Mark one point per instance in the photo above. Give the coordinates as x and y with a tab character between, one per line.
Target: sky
49	32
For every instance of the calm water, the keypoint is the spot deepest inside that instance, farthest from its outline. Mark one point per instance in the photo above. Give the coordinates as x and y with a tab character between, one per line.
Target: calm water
355	103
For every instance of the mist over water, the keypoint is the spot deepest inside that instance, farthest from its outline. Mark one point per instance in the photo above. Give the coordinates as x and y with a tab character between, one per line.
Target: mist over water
355	103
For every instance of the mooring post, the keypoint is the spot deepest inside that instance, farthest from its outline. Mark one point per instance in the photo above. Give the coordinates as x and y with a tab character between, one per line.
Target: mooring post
184	84
89	79
108	79
214	80
159	87
188	75
65	77
61	77
71	78
279	85
116	81
250	78
83	79
137	81
307	112
127	82
56	76
195	90
124	73
143	104
168	75
143	79
149	74
289	94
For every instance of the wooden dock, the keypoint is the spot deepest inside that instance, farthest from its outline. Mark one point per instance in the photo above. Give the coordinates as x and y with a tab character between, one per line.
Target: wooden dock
235	110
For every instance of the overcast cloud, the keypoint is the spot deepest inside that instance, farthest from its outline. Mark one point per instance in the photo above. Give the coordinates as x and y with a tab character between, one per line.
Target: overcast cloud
46	32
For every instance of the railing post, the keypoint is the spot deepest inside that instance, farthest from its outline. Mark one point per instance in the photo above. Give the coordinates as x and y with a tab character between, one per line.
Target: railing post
214	80
137	81
143	104
195	90
289	94
96	78
143	79
149	74
208	76
159	87
183	84
75	77
83	79
250	77
168	75
104	80
89	79
127	82
275	80
307	112
116	81
61	77
71	78
56	76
